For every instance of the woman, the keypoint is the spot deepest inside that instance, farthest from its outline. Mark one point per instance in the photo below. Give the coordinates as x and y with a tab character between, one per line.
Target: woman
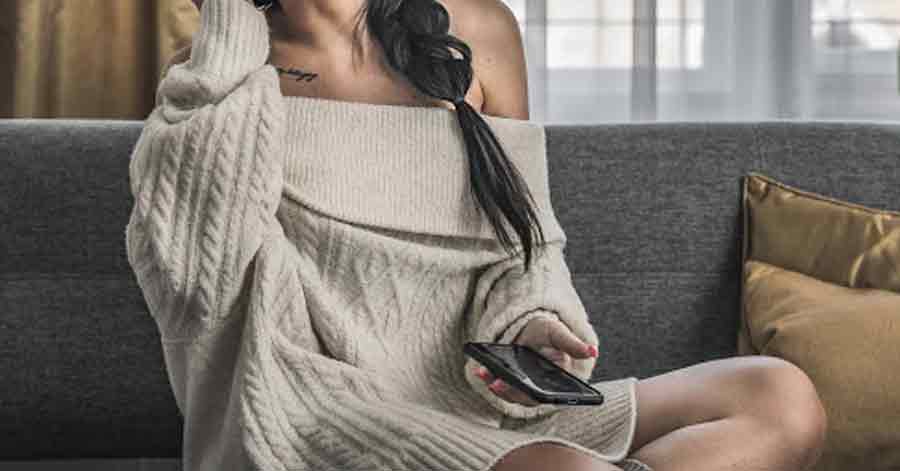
315	254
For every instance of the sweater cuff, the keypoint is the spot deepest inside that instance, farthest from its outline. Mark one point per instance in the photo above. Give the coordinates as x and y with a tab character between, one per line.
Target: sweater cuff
233	39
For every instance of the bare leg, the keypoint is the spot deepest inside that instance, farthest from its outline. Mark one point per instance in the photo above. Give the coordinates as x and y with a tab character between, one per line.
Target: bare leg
753	413
739	443
551	457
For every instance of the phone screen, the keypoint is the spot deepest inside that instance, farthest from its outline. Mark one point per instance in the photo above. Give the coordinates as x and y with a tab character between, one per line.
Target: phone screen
541	372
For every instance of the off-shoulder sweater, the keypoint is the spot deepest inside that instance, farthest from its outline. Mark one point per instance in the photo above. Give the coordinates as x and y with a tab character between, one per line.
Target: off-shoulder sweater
314	267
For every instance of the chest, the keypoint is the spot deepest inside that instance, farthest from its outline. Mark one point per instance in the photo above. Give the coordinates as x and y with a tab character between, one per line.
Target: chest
375	87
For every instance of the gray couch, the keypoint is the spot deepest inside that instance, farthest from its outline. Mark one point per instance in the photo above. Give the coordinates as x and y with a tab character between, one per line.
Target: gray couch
652	212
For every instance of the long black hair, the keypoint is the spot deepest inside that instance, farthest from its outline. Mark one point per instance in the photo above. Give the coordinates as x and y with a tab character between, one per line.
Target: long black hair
414	36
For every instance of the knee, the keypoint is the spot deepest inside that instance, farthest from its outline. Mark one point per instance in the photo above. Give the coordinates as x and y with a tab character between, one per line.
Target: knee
788	402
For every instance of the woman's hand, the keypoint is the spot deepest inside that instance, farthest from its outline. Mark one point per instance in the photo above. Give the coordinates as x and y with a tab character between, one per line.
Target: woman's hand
553	340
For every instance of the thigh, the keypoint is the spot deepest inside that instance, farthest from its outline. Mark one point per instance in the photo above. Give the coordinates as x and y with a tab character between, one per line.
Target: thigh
544	456
698	393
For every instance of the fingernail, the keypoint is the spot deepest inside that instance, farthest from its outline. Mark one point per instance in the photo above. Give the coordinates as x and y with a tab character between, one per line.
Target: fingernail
497	386
592	350
480	372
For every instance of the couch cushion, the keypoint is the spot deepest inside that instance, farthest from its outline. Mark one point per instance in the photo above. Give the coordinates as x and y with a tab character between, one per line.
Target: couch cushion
822	290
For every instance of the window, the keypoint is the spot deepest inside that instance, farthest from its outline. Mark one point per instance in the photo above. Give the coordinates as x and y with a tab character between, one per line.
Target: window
856	56
634	60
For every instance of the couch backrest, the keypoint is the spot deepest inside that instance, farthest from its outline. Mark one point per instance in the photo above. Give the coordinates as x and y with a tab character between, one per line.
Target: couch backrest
651	212
82	368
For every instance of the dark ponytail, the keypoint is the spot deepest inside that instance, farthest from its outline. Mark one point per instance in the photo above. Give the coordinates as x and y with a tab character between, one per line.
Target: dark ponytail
414	37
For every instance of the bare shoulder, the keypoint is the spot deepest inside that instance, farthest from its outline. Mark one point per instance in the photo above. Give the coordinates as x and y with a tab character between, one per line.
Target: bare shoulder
471	17
491	30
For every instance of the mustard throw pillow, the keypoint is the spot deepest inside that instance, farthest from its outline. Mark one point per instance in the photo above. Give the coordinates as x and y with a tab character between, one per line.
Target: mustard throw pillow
821	289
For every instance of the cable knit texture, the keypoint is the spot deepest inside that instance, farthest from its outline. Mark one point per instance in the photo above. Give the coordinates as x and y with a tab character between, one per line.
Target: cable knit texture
314	267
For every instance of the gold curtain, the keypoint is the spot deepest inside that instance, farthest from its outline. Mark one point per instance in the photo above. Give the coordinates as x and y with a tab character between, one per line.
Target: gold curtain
88	59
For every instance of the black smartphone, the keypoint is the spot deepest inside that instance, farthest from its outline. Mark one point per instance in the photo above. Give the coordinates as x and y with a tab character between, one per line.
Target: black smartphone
536	376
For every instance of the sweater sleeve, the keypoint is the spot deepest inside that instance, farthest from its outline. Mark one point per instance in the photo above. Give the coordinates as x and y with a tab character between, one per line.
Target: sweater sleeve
206	173
506	298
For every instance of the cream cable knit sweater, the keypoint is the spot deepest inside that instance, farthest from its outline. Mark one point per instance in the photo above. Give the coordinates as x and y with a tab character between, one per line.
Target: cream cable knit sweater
314	267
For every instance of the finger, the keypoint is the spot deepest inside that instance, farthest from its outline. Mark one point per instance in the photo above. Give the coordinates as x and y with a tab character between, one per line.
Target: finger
510	393
484	374
562	338
564	363
558	357
555	355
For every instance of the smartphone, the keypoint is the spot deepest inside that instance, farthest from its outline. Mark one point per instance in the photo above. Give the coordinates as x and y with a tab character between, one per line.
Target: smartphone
536	376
